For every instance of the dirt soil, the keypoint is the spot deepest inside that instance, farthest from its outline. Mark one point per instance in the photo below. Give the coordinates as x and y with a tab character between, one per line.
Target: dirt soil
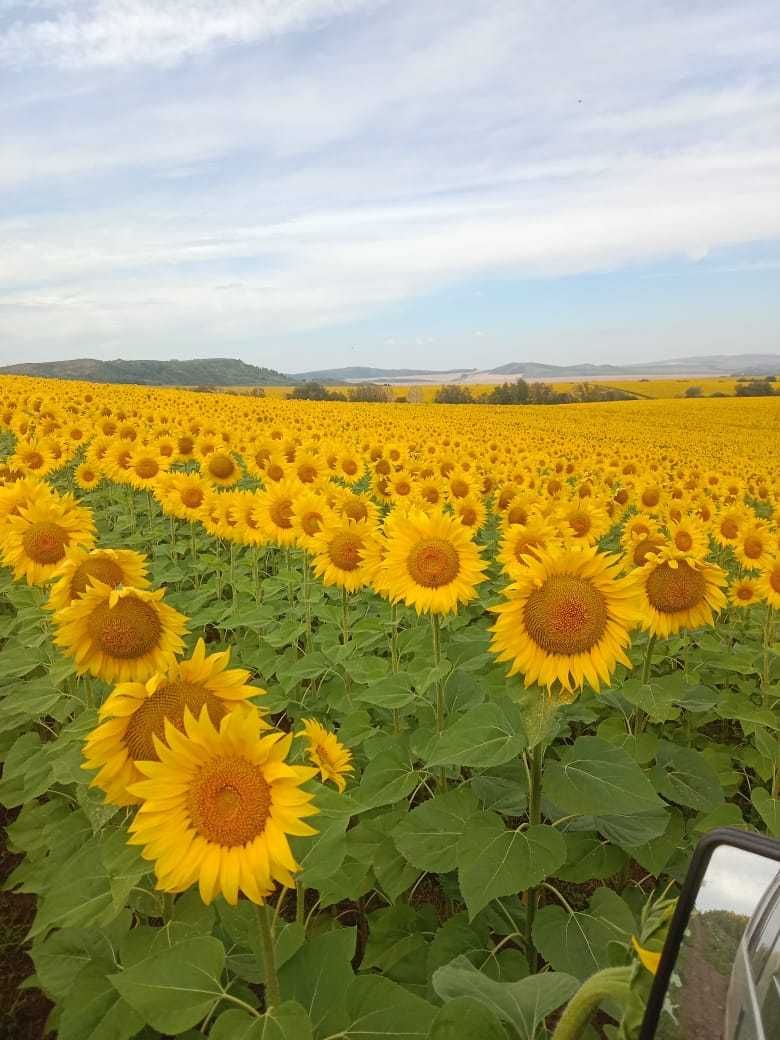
23	1013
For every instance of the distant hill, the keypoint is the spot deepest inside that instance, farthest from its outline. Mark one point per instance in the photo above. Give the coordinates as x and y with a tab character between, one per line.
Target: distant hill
198	372
709	365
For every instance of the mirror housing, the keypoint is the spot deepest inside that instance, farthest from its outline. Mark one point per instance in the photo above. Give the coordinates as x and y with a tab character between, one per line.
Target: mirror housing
756	909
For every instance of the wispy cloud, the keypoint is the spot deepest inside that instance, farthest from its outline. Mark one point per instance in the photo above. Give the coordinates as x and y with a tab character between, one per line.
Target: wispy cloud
182	175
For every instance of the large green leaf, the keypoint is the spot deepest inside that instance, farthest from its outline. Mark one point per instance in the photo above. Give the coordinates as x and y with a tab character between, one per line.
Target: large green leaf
387	778
429	835
465	1018
524	1004
377	1007
768	809
577	941
485	736
589	858
288	1021
683	775
175	987
494	860
594	777
318	977
93	1010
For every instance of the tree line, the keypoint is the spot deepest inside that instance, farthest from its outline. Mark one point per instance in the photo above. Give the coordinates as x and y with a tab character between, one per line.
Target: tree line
518	392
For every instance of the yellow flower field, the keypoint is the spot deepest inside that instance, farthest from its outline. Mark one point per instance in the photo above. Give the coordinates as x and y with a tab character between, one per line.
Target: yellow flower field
318	714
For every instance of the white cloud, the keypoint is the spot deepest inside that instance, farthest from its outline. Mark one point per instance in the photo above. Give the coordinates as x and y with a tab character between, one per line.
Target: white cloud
350	156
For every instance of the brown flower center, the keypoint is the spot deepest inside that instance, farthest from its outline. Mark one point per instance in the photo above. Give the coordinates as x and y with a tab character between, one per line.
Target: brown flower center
526	546
356	510
281	513
671	589
580	523
45	542
349	466
468	516
344	550
33	460
128	630
729	528
683	541
307	473
752	547
774	579
433	562
229	801
221	466
651	497
517	515
459	488
185	445
147	468
192	498
745	593
645	547
168	702
100	567
567	615
274	471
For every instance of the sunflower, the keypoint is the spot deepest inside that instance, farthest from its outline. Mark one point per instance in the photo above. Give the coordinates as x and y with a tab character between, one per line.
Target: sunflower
32	457
327	753
309	513
583	521
220	469
744	592
470	511
112	567
121	634
135	713
678	592
727	525
768	583
520	543
567	619
689	537
36	542
753	547
145	467
87	476
273	511
338	552
432	563
21	493
182	495
217	808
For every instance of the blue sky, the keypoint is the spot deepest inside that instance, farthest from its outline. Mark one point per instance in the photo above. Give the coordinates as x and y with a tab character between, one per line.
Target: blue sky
307	183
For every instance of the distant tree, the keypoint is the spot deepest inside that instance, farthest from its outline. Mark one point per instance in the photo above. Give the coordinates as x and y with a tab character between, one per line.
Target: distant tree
719	393
415	395
693	391
310	391
453	395
508	393
756	388
372	393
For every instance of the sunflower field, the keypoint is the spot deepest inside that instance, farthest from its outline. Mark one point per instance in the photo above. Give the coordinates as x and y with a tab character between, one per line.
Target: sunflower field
327	721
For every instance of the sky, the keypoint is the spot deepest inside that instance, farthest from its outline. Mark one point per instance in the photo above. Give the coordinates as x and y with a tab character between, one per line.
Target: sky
312	183
735	880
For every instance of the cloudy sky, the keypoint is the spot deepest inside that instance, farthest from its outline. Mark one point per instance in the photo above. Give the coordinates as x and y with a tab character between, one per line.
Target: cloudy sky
304	183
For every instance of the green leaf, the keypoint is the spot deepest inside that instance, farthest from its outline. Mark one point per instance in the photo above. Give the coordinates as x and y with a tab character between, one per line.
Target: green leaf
588	858
392	871
95	1011
465	1018
494	861
576	941
398	940
486	736
377	1007
657	697
318	977
684	776
175	987
388	778
394	691
321	855
455	938
732	705
768	808
428	836
655	854
524	1004
288	1021
593	776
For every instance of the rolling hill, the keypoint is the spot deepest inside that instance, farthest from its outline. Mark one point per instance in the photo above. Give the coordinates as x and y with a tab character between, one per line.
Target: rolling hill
198	372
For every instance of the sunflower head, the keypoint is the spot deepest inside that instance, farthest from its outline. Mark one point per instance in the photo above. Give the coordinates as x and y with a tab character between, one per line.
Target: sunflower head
679	591
36	542
217	806
566	619
122	634
327	753
112	567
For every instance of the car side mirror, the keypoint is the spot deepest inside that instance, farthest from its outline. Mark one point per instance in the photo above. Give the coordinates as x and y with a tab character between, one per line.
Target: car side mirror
719	974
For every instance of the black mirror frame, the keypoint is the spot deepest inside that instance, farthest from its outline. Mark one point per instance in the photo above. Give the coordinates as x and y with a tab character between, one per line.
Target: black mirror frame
762	846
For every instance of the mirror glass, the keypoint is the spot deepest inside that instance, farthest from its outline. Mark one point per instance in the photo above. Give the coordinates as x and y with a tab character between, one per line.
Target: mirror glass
726	982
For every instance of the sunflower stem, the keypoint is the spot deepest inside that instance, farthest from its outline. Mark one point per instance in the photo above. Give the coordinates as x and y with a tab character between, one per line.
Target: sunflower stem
272	994
307	601
534	818
609	983
300	904
648	659
439	688
344	616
